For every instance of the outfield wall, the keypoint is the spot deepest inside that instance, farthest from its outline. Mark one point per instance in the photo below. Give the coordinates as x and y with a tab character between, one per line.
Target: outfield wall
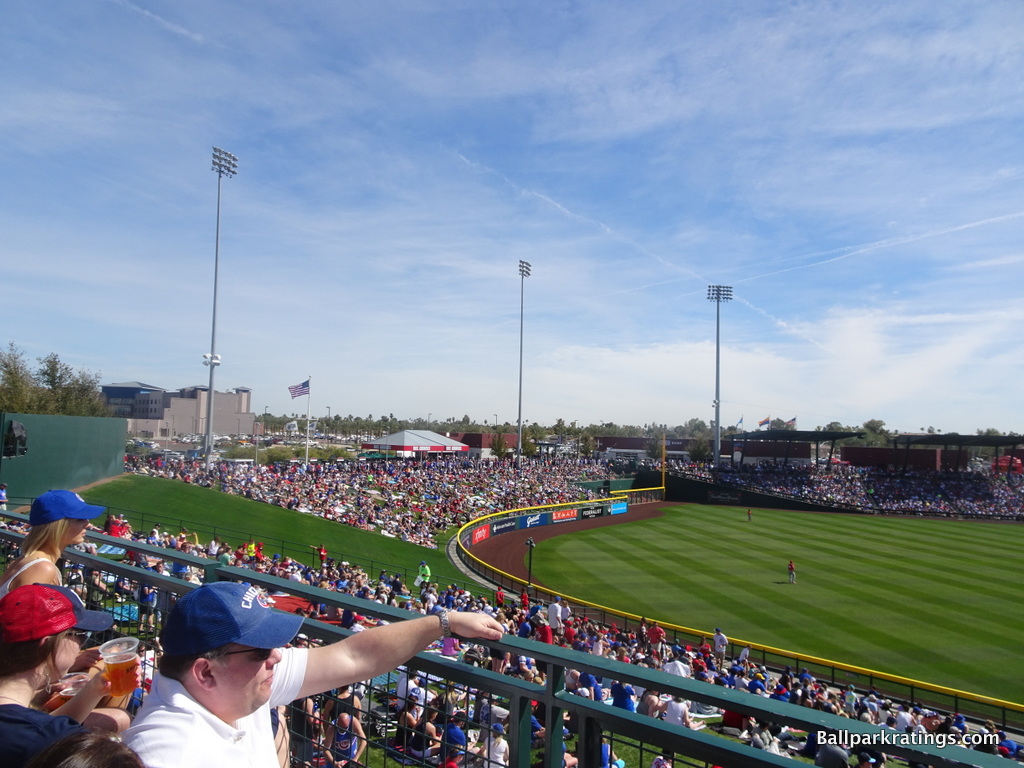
60	452
498	523
690	491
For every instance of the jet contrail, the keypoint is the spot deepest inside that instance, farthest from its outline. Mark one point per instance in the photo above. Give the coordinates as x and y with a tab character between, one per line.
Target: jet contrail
886	244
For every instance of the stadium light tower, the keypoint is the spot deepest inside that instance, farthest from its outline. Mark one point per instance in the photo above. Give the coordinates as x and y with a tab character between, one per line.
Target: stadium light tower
530	544
524	272
224	164
718	294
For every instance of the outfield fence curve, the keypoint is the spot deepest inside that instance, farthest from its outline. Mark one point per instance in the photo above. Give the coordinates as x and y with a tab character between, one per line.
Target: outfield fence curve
838	674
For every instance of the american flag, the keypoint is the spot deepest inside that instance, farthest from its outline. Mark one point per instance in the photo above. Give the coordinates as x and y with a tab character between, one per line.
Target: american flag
299	390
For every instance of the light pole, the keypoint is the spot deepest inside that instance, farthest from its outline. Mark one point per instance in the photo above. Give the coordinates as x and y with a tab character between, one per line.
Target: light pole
530	543
718	294
524	272
327	434
224	164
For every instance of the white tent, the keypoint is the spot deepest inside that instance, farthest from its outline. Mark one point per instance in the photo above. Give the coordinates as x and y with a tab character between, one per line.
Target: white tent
413	441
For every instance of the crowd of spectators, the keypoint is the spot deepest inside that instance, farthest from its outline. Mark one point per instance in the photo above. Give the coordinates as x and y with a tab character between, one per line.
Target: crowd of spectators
416	499
412	500
949	493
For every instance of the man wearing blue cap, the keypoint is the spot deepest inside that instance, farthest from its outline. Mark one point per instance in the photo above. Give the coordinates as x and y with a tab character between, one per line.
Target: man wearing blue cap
223	669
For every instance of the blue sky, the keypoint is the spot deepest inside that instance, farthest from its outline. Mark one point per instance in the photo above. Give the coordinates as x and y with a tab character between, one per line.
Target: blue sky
853	169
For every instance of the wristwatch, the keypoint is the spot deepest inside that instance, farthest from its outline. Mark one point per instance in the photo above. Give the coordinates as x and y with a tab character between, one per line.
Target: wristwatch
446	627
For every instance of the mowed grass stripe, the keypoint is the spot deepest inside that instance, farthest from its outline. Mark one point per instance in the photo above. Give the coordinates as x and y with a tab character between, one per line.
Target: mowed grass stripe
959	566
921	598
880	539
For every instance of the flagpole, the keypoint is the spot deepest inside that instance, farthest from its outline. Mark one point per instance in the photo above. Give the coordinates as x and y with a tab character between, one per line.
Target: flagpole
308	398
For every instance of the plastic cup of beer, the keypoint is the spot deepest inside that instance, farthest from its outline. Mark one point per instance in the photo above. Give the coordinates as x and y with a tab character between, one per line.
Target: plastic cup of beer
67	687
121	657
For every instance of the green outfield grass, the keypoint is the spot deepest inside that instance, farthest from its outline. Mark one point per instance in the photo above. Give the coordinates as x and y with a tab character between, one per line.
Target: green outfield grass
933	600
233	519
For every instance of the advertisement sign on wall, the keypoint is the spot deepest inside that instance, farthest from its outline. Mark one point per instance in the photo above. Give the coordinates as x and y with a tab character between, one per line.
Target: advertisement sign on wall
532	521
481	533
724	497
503	526
619	507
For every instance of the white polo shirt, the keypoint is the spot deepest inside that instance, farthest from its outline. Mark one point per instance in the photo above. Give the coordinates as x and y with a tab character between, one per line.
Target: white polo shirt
172	730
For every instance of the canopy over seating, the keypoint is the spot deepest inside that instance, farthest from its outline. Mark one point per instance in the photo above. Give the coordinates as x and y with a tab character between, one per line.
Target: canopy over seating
416	441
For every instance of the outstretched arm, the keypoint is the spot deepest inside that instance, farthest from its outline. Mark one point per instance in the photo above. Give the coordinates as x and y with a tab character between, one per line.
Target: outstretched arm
375	651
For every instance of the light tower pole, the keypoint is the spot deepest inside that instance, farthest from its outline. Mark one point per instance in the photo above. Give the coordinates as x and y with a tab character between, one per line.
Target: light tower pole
524	272
718	294
531	544
224	164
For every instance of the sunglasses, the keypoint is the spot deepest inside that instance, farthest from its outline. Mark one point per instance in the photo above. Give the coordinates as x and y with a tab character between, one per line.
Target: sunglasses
80	637
258	654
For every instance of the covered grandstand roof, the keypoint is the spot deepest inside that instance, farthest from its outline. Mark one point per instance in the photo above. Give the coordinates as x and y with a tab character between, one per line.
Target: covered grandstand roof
988	441
795	435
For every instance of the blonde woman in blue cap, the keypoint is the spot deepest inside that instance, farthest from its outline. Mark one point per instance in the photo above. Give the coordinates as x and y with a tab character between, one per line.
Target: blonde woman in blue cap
59	519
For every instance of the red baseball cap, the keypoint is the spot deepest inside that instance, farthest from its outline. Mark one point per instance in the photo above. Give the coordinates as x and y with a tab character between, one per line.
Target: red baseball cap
35	611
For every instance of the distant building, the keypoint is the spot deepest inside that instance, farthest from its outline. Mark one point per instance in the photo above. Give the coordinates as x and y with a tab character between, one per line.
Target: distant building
158	413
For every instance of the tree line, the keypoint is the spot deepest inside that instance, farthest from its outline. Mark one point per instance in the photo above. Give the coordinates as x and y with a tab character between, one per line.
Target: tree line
55	388
49	387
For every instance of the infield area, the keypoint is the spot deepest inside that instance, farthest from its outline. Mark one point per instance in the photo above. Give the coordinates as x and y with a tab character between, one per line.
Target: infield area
933	600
